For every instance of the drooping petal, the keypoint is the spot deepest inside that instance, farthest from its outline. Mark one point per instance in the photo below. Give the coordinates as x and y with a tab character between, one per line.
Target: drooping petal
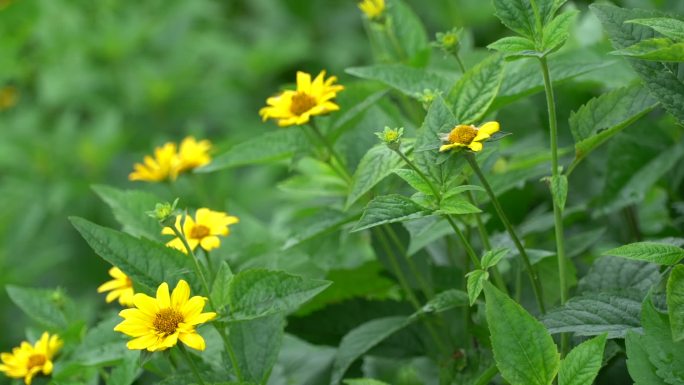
193	340
475	146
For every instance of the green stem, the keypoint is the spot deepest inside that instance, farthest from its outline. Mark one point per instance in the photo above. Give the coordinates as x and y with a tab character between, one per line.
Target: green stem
341	170
191	363
469	249
487	376
420	173
460	63
427	290
536	284
389	30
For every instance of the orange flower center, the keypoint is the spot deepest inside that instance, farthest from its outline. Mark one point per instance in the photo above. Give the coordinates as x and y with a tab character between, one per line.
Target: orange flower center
302	102
167	320
36	360
199	232
462	134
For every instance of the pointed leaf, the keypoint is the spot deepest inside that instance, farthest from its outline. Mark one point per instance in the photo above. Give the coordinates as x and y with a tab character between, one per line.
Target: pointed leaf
675	302
492	257
582	364
472	95
476	281
517	15
256	343
408	80
660	253
658	49
378	163
557	31
129	208
389	209
671	28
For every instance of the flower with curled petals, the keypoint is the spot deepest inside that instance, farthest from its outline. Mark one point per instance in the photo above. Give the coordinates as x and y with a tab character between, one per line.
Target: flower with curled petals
159	323
26	361
468	136
311	98
204	230
120	287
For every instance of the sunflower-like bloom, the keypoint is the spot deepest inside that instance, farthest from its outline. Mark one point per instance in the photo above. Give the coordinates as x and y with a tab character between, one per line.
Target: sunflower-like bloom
163	166
158	323
26	361
311	98
193	153
372	8
203	230
468	136
120	287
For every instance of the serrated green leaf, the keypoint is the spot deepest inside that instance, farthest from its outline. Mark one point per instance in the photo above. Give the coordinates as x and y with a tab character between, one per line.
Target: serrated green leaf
457	205
559	189
662	81
582	364
475	91
638	364
102	345
604	116
461	189
364	381
557	31
220	288
389	209
663	352
596	313
41	305
614	273
439	119
548	8
361	339
378	163
524	351
671	28
408	80
129	208
256	344
675	302
660	253
444	301
517	15
492	257
658	49
409	30
323	221
256	292
127	371
273	145
145	262
475	283
515	46
414	180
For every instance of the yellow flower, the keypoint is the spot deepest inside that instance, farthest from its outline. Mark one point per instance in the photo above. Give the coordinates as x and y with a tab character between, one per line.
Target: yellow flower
163	166
158	323
372	8
193	154
8	94
26	361
468	136
311	98
203	230
120	287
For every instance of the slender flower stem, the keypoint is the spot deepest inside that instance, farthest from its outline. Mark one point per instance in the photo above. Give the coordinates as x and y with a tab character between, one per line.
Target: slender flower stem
557	210
339	168
420	173
460	63
427	290
205	284
191	363
536	285
487	376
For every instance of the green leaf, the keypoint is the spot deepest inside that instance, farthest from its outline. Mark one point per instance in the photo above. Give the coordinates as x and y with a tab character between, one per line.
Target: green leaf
557	31
146	263
559	189
663	352
408	80
524	351
361	339
220	288
378	163
256	343
661	80
439	119
47	307
517	15
638	364
675	302
273	145
515	46
659	49
414	180
582	364
254	293
409	30
127	371
323	221
129	208
492	257
476	281
102	345
475	91
444	301
660	253
548	8
457	205
364	381
613	273
389	209
602	117
671	28
596	313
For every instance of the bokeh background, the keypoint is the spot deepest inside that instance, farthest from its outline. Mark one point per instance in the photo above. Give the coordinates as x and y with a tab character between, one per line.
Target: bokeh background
89	87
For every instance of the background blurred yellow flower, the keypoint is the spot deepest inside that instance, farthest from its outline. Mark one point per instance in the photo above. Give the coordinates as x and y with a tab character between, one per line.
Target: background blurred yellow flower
311	98
468	136
8	94
27	360
372	8
158	323
193	154
120	287
163	166
203	230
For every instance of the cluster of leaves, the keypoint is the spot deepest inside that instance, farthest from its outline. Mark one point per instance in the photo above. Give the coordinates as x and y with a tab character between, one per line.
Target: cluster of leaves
360	274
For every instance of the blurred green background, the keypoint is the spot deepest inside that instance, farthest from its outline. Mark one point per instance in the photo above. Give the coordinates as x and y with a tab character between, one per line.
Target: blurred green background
101	83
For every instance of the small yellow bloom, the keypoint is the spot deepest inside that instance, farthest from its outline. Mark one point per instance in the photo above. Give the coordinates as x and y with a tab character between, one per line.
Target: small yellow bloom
468	136
26	361
311	98
120	287
203	230
193	154
8	94
372	8
163	166
158	323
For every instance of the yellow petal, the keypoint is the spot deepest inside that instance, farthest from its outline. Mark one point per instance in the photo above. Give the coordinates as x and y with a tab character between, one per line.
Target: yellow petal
145	304
211	242
489	128
200	318
163	298
447	147
475	146
142	342
180	295
303	82
193	307
193	340
47	367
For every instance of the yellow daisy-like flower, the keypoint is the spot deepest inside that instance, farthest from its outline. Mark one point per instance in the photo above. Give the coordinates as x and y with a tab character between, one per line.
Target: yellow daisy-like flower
158	323
8	94
120	287
163	166
311	98
372	8
26	361
193	153
468	136
204	230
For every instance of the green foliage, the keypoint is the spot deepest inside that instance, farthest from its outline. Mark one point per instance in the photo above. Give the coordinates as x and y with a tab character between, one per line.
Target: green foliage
475	284
378	163
127	206
47	307
658	49
583	363
256	343
389	209
408	80
675	302
660	253
472	95
671	28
